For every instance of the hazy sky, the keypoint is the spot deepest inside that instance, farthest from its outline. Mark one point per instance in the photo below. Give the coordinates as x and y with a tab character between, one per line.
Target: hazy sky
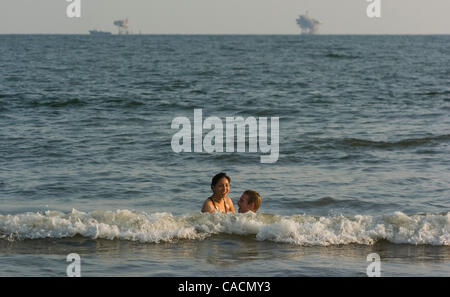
226	16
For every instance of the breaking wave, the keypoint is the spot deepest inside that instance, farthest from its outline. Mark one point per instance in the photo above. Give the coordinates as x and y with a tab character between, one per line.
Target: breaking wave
305	230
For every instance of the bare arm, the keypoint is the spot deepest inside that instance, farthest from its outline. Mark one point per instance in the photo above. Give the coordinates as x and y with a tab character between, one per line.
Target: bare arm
208	206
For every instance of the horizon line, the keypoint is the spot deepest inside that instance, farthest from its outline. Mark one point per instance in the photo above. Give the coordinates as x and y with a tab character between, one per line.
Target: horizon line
233	34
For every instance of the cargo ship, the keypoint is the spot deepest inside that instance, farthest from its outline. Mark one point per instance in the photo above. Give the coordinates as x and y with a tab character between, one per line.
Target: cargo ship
97	32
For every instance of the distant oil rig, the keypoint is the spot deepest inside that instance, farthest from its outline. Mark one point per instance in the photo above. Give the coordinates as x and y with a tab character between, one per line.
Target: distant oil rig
122	25
307	24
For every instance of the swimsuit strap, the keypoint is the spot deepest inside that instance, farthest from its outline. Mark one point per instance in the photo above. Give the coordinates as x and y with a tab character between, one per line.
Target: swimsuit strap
213	203
224	203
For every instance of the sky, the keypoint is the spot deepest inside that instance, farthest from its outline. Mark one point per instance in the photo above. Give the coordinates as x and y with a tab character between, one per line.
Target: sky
225	16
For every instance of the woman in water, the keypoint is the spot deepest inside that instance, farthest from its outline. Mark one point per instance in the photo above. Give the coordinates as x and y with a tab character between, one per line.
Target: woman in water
219	200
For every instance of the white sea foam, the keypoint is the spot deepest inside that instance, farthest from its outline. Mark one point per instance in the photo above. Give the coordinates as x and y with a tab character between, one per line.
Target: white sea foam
430	229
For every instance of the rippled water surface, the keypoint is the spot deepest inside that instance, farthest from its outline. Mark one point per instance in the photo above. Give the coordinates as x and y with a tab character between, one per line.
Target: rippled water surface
87	166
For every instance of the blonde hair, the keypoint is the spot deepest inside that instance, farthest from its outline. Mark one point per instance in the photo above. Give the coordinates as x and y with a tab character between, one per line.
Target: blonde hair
253	197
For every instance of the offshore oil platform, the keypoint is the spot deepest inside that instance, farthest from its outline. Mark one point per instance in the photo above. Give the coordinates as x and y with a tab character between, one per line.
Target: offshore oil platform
307	24
122	26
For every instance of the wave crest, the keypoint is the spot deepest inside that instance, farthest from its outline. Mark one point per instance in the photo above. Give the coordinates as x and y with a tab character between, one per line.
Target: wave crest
398	228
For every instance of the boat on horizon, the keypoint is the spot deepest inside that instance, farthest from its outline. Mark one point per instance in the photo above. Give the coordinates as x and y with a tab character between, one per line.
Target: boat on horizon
97	32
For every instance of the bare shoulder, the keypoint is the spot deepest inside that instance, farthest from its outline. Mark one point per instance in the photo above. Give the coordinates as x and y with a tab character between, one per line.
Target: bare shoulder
230	204
207	206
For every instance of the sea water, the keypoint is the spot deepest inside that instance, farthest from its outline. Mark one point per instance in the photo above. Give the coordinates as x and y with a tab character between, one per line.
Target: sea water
87	167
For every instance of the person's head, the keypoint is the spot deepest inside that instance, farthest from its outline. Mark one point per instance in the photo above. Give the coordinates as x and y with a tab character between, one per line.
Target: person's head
220	184
250	200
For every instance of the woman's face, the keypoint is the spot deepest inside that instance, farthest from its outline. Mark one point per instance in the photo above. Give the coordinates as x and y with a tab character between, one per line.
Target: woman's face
222	187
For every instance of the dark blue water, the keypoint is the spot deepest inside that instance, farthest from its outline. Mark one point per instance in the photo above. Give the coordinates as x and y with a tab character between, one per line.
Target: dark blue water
364	141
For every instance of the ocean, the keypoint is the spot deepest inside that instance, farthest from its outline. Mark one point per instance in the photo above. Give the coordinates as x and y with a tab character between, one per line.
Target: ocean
87	164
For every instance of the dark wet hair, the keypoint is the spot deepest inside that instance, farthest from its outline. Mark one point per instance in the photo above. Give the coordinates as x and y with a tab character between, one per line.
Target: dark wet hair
217	177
